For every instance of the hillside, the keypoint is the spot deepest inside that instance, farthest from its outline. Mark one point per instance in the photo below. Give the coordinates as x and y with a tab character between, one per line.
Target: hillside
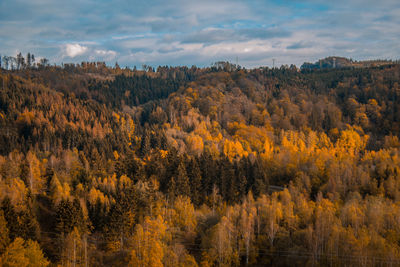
217	166
342	62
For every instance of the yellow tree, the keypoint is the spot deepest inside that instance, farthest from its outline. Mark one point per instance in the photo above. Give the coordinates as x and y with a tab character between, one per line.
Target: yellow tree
59	191
248	214
288	216
352	214
325	219
273	215
17	193
351	142
73	248
184	215
233	149
23	254
35	181
14	256
222	249
177	256
148	243
194	143
35	254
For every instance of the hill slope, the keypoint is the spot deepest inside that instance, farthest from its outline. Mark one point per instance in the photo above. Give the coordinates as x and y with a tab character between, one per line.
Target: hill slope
179	165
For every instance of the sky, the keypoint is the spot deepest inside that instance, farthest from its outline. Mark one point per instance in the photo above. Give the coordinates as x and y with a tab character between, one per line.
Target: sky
186	32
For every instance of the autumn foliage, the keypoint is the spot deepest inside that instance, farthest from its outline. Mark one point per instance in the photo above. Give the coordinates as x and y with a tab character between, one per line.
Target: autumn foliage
219	166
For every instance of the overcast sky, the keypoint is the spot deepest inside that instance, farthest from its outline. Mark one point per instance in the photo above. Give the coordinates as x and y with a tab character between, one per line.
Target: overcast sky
186	32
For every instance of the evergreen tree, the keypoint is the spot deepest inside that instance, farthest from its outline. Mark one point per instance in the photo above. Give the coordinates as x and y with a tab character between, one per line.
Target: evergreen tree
68	216
145	145
194	175
121	218
97	215
172	190
241	180
20	61
11	218
260	179
28	60
209	169
4	235
226	177
182	180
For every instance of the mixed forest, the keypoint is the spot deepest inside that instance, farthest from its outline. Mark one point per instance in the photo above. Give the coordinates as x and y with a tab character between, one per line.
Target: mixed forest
215	166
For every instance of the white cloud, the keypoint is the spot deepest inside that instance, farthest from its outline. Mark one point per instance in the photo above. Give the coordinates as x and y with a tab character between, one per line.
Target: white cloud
107	55
105	52
73	50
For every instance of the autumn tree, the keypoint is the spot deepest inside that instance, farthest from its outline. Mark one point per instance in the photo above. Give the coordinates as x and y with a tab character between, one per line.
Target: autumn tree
24	253
148	243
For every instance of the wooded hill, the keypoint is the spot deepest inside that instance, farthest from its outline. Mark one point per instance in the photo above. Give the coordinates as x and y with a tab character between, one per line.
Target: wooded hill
342	62
218	166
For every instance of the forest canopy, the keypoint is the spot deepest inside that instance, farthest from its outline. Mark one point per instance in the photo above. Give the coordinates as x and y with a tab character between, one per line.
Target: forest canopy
214	166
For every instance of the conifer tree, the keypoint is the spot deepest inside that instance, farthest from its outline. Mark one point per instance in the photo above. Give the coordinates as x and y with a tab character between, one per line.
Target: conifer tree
4	235
194	175
182	181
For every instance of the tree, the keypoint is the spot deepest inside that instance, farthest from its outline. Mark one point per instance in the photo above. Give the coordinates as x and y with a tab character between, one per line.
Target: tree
145	147
172	189
222	250
248	213
68	216
32	59
72	249
184	214
35	255
14	256
70	224
22	253
208	167
4	236
35	181
147	242
182	180
20	61
6	61
28	60
58	191
195	179
44	62
121	220
226	178
11	218
273	217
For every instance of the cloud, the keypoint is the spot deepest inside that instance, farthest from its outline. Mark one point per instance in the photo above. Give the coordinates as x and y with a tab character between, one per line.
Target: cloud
187	32
170	24
89	51
218	35
105	53
299	45
211	35
73	50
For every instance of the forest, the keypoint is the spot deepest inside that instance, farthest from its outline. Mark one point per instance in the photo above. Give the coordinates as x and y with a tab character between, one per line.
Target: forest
189	166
